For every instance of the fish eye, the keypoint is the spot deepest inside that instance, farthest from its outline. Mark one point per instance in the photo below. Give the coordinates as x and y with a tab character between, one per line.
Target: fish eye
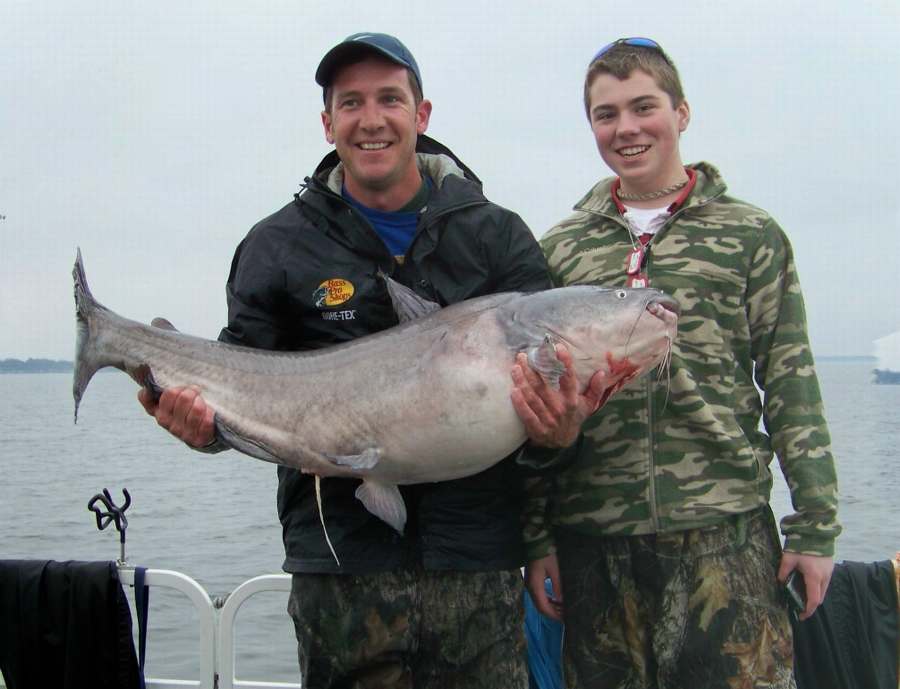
621	294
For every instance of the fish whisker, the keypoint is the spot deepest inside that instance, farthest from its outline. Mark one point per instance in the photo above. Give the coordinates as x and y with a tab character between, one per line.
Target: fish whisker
633	328
665	368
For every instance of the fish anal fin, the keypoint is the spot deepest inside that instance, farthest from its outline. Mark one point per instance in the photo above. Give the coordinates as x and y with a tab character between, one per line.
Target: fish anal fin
544	360
384	501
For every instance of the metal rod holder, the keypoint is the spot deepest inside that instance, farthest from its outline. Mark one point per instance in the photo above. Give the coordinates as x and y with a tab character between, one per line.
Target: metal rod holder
113	514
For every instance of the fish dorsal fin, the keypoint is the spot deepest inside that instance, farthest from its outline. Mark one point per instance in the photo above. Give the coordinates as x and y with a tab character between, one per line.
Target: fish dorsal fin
544	360
384	501
163	324
407	304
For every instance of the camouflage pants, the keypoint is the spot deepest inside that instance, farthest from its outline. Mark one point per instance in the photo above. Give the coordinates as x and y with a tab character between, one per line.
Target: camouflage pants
405	629
699	609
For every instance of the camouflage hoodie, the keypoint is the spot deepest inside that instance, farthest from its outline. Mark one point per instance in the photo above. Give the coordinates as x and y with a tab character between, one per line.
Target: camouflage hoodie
663	455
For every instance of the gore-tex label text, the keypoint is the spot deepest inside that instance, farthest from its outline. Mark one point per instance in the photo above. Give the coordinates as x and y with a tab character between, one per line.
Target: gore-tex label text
349	315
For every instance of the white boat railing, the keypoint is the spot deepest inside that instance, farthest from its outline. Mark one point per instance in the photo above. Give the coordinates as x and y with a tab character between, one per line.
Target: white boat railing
217	623
225	654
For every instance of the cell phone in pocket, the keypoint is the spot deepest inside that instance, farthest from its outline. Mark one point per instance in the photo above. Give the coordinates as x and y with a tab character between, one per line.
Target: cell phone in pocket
795	590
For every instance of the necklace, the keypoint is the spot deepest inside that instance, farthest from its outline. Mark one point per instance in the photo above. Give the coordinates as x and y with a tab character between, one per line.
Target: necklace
649	196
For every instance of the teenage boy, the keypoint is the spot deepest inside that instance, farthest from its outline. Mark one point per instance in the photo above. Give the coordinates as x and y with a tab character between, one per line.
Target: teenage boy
441	605
658	535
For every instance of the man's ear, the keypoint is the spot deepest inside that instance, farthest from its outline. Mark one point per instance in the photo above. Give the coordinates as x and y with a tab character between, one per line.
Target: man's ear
326	124
423	114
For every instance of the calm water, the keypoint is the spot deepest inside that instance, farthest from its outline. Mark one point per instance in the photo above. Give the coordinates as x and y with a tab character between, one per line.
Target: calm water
213	518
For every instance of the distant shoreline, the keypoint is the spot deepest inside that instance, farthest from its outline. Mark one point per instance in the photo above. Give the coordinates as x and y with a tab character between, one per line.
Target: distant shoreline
62	366
35	366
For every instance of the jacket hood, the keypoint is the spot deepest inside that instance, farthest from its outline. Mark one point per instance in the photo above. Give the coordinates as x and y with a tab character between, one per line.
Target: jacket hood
434	159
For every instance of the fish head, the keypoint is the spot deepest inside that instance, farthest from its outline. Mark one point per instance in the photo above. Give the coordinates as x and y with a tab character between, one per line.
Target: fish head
617	333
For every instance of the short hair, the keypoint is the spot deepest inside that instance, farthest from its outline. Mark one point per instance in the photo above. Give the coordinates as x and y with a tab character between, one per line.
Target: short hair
413	83
623	59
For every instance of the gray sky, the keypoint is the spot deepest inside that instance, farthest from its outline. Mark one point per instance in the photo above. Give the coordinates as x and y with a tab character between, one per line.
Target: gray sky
153	135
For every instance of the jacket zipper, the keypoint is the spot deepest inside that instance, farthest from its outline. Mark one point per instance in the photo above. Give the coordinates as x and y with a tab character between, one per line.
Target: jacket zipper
651	441
651	455
651	479
651	459
316	187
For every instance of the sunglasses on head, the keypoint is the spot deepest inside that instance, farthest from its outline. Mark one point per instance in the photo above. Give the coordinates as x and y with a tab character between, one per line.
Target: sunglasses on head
635	41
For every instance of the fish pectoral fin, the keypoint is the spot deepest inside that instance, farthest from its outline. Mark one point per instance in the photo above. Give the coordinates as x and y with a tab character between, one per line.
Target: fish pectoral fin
163	324
366	459
407	304
240	443
543	359
384	501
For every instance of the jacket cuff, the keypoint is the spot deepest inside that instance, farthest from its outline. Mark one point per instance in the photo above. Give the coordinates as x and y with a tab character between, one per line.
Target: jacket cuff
538	459
809	545
216	446
539	549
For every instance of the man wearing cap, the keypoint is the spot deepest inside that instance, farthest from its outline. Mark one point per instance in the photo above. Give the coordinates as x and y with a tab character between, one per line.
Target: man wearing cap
440	605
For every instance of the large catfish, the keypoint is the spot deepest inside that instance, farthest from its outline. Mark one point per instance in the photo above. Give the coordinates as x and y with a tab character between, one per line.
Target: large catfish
427	400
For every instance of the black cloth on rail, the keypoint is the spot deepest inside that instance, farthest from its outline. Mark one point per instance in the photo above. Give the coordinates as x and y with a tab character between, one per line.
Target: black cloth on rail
851	640
66	625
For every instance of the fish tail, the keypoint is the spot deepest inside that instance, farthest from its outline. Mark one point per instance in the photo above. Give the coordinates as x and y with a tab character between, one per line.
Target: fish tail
86	358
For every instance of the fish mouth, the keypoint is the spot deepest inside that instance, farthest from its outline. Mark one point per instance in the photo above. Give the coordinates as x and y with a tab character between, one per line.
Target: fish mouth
664	302
666	309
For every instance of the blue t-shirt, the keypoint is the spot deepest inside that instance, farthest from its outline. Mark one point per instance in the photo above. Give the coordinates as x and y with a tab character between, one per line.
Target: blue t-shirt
396	228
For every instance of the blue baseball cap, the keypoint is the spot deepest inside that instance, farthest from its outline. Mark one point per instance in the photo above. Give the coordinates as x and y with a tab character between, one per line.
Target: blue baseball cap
354	47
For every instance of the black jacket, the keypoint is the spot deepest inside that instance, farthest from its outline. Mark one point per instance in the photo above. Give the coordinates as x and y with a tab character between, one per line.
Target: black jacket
66	625
307	277
851	642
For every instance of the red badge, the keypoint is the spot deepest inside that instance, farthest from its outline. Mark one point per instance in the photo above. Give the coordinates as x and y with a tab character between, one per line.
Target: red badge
634	261
637	281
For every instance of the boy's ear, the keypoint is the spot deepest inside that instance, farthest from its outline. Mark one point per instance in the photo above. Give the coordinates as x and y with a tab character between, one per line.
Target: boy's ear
684	115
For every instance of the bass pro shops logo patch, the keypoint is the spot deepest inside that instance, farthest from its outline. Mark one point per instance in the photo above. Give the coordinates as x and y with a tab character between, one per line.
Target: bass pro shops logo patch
334	292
